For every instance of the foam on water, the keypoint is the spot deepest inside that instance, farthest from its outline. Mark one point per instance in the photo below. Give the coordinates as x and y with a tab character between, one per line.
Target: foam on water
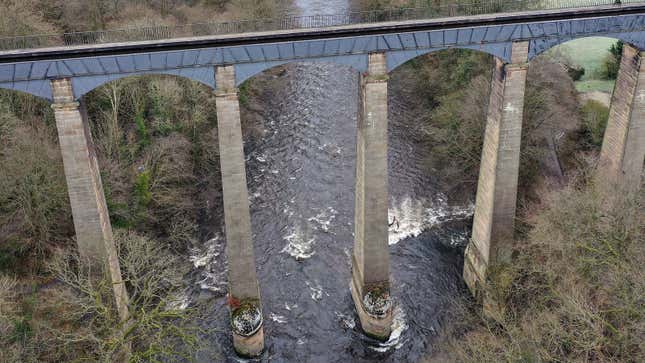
289	307
180	302
409	217
278	318
298	246
324	219
346	321
208	261
203	257
399	326
316	291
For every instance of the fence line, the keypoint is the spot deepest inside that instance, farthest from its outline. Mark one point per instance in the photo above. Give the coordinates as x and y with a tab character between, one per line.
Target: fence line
295	22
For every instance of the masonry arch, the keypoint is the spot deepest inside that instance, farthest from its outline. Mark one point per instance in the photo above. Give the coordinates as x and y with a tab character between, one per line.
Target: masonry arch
587	52
541	45
305	144
203	75
396	59
245	71
38	88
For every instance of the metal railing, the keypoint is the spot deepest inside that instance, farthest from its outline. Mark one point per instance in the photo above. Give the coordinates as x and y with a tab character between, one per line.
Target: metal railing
294	22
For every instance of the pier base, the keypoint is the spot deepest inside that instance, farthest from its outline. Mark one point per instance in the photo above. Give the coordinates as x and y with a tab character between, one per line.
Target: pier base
249	346
378	327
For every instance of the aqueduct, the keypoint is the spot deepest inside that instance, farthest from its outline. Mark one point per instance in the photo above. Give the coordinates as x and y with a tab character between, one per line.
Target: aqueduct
62	75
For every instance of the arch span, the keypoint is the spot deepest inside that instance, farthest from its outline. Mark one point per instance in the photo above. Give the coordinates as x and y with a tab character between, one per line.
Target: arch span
39	88
84	85
498	50
539	46
244	71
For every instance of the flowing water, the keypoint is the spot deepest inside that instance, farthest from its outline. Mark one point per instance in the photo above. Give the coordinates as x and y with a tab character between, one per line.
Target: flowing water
301	188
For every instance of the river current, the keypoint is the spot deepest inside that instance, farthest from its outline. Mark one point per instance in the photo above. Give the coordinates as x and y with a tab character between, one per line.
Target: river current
301	188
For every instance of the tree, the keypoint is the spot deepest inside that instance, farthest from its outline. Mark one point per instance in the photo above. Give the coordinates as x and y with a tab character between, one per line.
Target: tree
611	64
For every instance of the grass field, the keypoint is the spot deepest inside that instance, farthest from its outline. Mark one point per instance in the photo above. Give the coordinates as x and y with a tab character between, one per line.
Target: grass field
591	85
589	53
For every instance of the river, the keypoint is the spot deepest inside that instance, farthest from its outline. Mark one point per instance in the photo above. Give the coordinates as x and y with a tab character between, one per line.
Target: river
301	188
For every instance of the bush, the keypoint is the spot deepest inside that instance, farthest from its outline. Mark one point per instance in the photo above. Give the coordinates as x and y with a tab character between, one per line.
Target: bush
575	291
576	73
151	164
34	208
611	63
75	319
551	108
452	111
594	122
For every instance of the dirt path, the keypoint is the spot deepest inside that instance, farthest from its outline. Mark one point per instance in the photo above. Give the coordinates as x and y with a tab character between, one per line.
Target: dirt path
602	97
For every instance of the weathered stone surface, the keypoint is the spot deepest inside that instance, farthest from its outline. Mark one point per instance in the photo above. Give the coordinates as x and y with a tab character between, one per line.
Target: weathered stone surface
251	346
620	165
371	260
376	326
493	223
89	210
242	280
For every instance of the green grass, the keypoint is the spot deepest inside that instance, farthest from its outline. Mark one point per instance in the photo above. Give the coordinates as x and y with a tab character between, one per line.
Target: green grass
595	85
590	54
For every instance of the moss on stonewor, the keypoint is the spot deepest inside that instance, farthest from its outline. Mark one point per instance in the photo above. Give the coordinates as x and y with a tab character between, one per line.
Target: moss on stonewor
246	318
377	300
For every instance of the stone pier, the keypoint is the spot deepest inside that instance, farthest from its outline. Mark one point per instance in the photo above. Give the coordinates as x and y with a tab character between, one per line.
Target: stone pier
244	292
371	260
620	165
89	210
493	225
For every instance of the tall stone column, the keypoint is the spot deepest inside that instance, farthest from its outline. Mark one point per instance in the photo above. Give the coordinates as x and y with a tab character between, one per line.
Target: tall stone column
244	292
371	260
620	165
494	220
89	210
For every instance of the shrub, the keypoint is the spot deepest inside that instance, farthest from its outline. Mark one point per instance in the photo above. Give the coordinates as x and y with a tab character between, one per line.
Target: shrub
142	189
75	319
594	122
576	287
576	73
172	189
611	63
551	108
144	135
34	207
